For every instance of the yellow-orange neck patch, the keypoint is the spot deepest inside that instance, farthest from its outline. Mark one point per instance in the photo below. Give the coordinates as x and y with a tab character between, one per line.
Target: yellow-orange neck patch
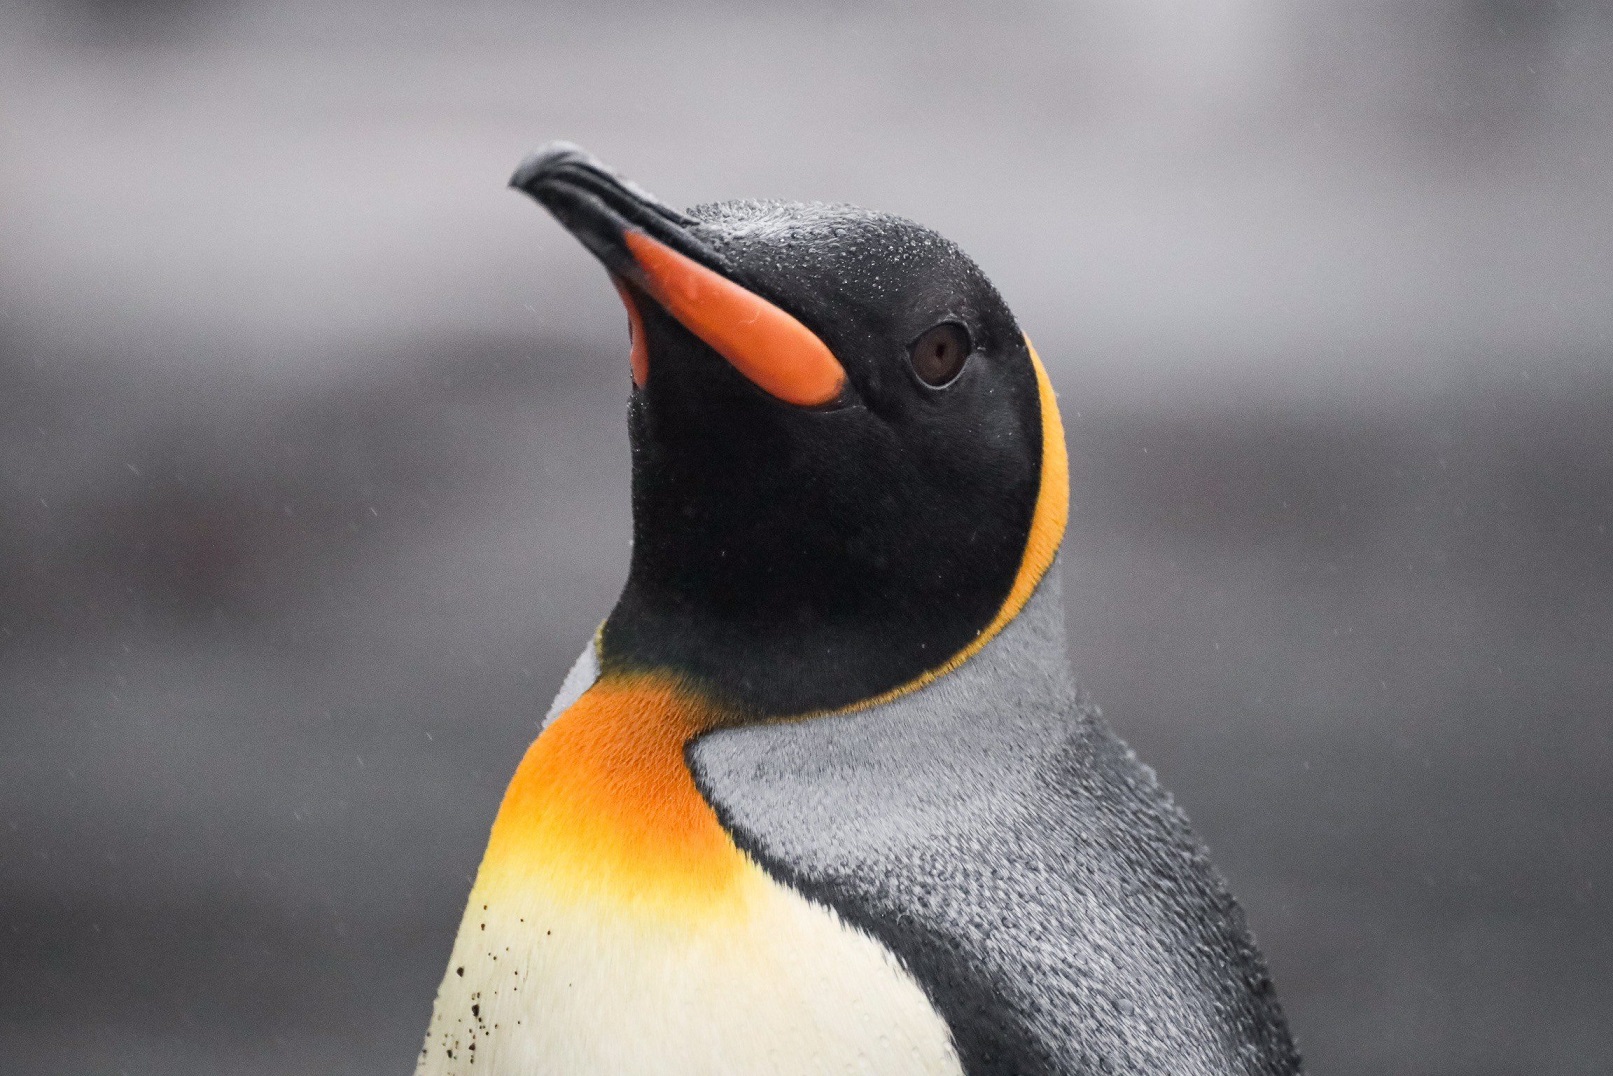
603	808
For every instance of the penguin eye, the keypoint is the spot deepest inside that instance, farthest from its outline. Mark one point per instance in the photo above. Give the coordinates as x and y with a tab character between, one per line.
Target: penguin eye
939	354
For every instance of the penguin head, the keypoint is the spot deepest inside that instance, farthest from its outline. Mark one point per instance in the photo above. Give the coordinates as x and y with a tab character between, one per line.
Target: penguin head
844	462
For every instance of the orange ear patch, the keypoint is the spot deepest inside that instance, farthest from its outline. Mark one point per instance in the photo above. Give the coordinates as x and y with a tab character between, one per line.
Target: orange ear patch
775	351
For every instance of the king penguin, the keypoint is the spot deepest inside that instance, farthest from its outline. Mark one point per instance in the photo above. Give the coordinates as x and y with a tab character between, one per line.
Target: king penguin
822	795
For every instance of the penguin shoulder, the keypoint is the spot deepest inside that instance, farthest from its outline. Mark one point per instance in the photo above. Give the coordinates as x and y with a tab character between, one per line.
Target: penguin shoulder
1008	849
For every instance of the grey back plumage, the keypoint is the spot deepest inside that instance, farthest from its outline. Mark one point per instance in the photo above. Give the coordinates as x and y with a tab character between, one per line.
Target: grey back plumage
994	834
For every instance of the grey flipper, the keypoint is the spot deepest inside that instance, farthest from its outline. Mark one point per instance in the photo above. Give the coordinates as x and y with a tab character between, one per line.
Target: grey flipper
584	671
992	832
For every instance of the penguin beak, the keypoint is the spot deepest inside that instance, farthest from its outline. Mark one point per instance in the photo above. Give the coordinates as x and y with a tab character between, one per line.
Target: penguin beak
652	248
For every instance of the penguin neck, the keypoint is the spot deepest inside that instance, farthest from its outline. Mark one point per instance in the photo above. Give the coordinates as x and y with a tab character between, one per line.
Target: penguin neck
604	813
787	660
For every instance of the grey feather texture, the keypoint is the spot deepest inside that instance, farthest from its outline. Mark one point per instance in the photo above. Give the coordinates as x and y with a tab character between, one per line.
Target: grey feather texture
1013	853
584	671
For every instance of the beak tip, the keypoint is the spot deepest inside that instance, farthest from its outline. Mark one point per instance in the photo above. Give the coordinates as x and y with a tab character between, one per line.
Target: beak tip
539	164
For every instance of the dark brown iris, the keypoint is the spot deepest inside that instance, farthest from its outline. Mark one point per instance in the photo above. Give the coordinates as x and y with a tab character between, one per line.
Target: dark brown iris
939	354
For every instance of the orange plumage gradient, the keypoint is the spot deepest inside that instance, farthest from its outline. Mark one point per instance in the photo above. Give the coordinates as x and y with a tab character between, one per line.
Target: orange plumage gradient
603	810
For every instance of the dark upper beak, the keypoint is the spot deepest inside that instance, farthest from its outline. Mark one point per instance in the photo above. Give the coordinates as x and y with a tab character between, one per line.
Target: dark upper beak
642	241
600	207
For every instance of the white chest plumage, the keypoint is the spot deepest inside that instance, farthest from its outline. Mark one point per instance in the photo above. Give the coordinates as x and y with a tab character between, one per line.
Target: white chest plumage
783	987
615	929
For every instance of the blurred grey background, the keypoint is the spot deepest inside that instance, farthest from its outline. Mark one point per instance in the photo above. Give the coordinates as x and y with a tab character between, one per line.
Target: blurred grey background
313	469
